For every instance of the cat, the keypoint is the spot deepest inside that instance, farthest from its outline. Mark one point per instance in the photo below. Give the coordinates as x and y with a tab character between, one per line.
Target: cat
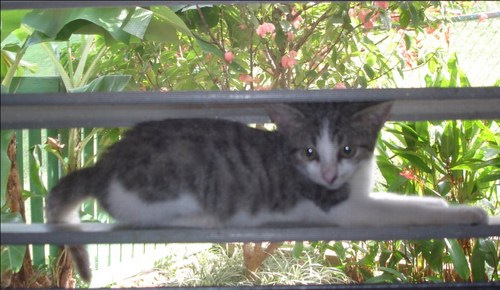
315	169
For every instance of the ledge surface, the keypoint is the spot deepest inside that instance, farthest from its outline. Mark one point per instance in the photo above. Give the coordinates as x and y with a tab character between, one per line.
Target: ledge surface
426	286
90	233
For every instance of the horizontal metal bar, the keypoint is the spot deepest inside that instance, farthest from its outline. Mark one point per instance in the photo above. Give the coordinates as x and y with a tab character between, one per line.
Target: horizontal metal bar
426	286
124	109
77	4
469	17
270	96
90	233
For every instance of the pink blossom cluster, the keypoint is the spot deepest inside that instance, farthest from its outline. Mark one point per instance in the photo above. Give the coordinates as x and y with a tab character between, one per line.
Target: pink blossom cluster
288	61
264	29
483	17
297	21
229	57
408	174
368	23
247	79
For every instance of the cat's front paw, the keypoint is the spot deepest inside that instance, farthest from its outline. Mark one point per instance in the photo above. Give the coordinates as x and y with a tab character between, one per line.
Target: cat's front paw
474	216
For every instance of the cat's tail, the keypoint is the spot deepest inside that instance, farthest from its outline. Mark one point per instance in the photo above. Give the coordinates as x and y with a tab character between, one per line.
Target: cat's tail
62	208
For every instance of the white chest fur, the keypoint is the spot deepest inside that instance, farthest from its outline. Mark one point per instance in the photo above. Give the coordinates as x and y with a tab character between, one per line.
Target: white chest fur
126	207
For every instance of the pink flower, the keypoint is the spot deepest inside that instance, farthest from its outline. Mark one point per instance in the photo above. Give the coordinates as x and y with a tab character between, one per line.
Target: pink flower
483	17
296	21
246	78
290	36
264	29
362	15
382	4
229	56
367	23
352	12
408	174
288	61
340	85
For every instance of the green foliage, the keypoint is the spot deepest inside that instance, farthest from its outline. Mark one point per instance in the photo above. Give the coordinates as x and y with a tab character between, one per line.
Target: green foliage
6	135
114	24
220	267
457	160
325	57
11	256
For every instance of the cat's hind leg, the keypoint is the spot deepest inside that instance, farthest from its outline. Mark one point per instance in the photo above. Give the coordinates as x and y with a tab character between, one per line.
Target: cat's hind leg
431	201
201	220
402	212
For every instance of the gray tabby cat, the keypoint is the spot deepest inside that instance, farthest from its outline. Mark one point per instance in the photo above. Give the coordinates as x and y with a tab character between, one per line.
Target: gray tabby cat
316	169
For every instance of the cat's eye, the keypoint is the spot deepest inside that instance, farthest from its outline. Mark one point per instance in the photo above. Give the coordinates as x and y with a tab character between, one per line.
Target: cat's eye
347	151
310	154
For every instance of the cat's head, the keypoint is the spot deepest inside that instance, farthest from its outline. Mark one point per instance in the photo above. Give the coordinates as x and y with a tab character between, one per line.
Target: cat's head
329	141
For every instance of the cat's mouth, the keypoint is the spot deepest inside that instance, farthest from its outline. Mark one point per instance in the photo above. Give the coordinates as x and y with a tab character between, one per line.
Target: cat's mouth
332	184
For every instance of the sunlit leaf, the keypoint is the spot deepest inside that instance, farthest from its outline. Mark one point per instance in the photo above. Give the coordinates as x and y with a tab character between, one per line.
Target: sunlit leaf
458	258
164	15
60	24
478	264
11	20
105	84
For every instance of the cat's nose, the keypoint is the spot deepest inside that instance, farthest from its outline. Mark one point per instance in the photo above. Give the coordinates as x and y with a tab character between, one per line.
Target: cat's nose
329	174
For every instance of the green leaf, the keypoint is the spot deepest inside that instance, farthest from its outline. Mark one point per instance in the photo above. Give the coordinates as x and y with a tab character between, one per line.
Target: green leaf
6	135
279	37
138	23
60	24
340	250
404	18
9	217
384	278
369	71
35	170
105	84
436	255
449	142
489	178
415	16
211	48
415	159
453	70
238	34
170	20
11	20
408	41
458	258
490	251
298	248
399	277
409	134
11	256
478	264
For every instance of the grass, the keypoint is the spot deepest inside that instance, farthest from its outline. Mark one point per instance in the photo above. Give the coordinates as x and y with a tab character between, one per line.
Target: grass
224	266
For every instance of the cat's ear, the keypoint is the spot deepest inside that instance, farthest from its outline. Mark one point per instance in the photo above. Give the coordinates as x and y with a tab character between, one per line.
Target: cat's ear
287	118
375	115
